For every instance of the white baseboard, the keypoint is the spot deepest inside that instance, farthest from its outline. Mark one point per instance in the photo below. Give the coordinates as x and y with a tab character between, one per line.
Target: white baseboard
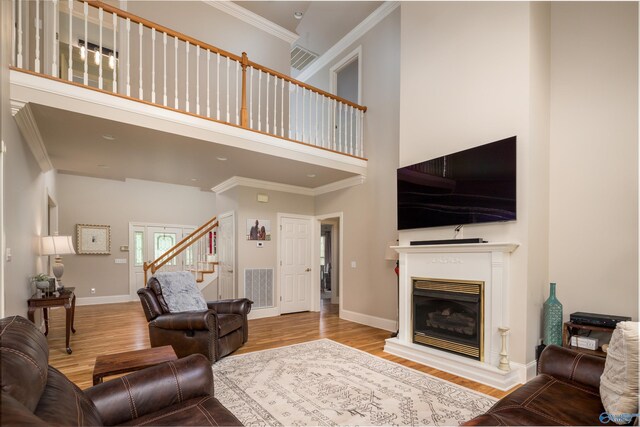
263	312
110	299
365	319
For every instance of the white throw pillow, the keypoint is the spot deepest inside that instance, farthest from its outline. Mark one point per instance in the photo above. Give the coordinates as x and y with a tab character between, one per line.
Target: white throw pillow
619	381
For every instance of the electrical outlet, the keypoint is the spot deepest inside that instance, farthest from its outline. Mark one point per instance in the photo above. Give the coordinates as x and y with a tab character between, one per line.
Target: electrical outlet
93	291
353	264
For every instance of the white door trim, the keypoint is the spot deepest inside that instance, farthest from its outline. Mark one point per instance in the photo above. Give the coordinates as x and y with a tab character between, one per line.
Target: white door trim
315	298
335	69
235	241
133	293
314	252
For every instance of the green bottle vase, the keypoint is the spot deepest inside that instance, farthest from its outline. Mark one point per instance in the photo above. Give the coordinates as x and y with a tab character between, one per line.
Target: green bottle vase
552	318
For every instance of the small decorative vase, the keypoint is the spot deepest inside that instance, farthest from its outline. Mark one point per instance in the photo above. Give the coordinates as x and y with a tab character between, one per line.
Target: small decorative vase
552	318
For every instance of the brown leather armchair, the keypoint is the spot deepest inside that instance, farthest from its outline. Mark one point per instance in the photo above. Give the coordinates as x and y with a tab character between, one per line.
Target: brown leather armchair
35	394
214	333
565	392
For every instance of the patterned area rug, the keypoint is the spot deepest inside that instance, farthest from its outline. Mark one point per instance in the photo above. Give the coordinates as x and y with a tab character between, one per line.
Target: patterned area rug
326	383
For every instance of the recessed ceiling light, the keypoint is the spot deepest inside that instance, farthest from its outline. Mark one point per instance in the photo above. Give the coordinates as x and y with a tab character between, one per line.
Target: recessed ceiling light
194	179
297	15
103	166
311	175
222	159
109	137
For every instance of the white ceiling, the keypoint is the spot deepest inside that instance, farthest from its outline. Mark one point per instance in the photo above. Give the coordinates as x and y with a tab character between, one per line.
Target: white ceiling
278	12
75	145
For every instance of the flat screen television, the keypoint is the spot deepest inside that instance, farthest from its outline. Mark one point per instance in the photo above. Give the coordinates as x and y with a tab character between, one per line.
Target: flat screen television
473	186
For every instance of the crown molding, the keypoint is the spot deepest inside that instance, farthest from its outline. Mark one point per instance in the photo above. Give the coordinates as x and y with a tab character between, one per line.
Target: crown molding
29	128
352	36
254	19
236	181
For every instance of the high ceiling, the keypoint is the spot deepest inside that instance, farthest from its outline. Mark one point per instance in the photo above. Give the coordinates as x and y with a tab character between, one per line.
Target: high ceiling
76	144
278	12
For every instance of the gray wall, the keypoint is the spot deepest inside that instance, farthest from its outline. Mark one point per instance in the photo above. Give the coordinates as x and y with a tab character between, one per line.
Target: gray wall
85	200
370	209
593	244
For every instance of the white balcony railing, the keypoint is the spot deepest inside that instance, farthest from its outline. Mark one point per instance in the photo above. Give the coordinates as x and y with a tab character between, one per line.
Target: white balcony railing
99	46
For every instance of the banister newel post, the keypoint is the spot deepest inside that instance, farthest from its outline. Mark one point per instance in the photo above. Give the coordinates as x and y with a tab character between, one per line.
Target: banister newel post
244	116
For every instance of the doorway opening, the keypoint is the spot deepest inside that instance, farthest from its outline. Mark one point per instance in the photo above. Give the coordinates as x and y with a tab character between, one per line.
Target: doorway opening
329	249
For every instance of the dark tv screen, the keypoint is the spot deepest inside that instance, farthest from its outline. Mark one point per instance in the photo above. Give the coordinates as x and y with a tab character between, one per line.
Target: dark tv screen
472	186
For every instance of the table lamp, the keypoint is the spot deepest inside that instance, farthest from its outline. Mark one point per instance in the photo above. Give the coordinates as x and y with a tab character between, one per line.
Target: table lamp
57	245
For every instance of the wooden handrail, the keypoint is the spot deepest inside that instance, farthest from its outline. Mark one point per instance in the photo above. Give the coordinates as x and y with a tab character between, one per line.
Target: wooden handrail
242	59
156	264
150	24
306	86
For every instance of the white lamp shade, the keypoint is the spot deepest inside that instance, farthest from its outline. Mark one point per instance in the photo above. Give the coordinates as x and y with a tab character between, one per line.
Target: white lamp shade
57	245
391	254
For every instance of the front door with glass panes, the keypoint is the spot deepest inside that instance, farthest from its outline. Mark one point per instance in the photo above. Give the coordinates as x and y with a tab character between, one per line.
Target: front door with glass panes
148	242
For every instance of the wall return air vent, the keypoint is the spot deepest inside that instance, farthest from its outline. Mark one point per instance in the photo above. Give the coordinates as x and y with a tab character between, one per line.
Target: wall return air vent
301	58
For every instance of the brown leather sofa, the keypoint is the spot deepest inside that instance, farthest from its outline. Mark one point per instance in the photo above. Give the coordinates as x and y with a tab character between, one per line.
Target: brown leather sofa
565	392
35	394
214	333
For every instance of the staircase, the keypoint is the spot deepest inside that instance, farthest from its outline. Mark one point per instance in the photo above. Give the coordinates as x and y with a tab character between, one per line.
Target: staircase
199	254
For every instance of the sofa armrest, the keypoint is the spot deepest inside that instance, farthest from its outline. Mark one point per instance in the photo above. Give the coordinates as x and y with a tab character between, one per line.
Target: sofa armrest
152	389
189	320
231	306
567	364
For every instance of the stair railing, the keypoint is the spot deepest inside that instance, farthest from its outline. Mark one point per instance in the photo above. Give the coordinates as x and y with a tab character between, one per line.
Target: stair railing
195	243
117	52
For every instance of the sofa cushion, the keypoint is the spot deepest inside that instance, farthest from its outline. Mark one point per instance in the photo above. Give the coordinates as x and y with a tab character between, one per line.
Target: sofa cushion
180	292
619	381
63	403
545	400
24	360
228	323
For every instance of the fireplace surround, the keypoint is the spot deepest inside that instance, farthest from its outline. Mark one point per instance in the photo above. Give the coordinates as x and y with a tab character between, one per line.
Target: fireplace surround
488	263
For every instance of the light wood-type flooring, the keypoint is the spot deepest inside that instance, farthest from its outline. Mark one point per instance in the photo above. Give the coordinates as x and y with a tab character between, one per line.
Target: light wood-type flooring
115	328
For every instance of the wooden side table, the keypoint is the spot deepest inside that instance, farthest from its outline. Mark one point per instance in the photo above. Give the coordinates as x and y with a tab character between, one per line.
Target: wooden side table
130	361
64	298
569	329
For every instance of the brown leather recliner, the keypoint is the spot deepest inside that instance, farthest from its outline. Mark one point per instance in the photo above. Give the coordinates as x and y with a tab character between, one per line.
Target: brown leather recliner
215	333
565	392
35	394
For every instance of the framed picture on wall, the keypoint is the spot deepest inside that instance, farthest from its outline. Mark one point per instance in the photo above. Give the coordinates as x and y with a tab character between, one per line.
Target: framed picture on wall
258	229
93	239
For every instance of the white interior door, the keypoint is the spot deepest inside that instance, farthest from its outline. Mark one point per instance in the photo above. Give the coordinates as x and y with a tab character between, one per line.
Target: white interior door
226	256
295	268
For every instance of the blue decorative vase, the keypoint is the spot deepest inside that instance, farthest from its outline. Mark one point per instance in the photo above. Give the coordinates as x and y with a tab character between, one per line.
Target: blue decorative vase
552	318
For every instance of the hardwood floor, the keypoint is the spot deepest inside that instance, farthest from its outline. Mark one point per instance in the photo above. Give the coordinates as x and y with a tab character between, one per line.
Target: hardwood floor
115	328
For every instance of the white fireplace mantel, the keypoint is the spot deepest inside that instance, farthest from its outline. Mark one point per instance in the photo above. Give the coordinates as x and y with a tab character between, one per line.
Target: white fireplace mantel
487	262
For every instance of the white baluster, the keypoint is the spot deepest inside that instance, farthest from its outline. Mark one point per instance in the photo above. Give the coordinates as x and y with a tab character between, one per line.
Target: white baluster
357	136
115	57
86	44
164	69
361	133
259	94
187	76
175	71
282	108
322	138
238	77
197	80
19	54
345	141
251	99
218	87
315	124
267	104
275	105
297	133
153	65
54	41
352	134
128	57
208	78
304	123
37	61
340	140
70	68
100	17
140	90
330	123
228	88
14	40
